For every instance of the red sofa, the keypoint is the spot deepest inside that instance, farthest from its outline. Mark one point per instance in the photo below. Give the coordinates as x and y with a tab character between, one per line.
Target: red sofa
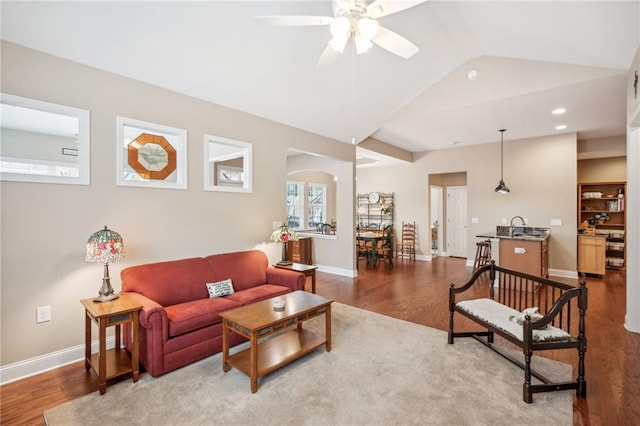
179	323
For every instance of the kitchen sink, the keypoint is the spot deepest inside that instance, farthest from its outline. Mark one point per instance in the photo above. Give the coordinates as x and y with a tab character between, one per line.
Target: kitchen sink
522	232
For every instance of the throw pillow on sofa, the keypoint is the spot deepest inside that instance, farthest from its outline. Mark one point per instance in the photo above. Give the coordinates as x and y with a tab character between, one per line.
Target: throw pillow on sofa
220	288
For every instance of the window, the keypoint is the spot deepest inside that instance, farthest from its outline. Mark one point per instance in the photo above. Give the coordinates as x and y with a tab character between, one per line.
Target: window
316	204
306	205
295	204
230	175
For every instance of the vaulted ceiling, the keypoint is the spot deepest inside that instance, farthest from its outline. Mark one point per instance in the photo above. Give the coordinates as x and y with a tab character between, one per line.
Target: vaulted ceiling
529	57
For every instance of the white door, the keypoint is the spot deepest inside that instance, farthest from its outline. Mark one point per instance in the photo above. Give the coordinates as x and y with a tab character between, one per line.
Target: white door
457	221
436	220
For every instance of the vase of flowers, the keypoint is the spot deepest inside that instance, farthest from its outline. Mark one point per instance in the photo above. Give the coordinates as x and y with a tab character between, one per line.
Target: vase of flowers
284	234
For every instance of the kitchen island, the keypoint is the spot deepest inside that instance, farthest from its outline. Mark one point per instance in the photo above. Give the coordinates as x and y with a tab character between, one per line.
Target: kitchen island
521	248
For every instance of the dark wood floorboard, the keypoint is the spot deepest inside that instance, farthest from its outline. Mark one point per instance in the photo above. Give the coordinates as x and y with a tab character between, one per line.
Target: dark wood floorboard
417	292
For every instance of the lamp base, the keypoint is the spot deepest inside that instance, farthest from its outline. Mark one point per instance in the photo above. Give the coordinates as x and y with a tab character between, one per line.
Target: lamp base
106	292
106	298
285	263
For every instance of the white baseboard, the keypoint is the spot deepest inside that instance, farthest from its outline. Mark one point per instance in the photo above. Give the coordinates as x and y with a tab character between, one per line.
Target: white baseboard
563	273
30	367
337	271
552	272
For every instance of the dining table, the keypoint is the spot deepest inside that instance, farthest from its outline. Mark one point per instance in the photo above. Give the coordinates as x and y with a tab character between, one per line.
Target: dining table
372	237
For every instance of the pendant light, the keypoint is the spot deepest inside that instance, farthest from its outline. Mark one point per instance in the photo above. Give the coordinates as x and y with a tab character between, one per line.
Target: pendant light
502	188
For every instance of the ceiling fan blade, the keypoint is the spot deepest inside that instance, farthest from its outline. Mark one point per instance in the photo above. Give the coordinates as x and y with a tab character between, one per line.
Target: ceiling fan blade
395	43
328	56
338	5
293	20
380	8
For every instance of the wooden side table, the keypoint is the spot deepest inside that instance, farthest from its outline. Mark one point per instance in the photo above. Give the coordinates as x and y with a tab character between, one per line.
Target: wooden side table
115	362
307	270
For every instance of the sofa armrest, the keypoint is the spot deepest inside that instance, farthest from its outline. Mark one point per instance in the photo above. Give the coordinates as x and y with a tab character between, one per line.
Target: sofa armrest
152	315
285	277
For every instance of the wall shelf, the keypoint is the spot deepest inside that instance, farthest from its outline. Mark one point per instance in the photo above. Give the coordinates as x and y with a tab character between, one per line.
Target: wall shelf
374	214
608	198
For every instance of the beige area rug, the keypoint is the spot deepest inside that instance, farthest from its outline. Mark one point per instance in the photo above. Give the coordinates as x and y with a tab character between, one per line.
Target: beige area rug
381	371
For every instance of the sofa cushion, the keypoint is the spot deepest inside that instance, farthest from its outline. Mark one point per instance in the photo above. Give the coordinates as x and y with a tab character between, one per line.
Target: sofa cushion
170	283
256	294
189	316
246	269
220	288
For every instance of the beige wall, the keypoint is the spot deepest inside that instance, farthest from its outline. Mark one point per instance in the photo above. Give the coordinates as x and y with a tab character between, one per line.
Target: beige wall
607	147
541	174
602	170
45	226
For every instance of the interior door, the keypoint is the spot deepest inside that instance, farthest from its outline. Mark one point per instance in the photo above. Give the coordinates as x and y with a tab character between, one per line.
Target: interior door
436	220
457	221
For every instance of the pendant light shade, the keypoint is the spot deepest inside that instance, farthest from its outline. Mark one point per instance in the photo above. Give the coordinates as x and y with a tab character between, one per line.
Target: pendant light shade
502	188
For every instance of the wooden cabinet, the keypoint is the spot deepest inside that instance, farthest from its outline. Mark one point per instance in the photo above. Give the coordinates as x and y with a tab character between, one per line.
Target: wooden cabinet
602	204
591	254
528	256
300	251
375	210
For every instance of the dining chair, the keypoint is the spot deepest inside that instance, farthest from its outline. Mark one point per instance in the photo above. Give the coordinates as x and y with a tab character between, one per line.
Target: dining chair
407	245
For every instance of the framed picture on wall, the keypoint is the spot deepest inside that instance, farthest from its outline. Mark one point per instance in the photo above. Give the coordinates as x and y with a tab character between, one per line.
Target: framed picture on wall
150	155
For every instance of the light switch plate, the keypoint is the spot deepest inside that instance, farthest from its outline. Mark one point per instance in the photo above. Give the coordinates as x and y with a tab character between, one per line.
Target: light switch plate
43	314
475	220
556	222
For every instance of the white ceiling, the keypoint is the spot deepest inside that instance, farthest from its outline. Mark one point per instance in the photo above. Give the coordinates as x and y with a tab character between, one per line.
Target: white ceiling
530	56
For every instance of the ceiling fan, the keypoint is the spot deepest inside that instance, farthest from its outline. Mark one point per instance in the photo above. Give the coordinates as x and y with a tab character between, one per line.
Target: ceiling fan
355	18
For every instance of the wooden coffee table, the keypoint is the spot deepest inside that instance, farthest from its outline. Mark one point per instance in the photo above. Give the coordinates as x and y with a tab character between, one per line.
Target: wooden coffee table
259	320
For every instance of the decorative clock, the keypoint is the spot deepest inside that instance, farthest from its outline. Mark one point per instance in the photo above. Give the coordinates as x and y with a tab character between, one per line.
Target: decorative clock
374	197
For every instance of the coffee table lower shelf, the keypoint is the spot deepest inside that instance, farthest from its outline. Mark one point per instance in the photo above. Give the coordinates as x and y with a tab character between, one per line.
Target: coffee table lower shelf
278	351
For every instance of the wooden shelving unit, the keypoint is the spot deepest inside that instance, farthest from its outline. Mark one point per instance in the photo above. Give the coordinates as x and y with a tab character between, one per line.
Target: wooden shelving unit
377	214
606	199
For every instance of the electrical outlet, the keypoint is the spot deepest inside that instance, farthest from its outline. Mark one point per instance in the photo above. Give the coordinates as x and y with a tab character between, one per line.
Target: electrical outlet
43	314
504	220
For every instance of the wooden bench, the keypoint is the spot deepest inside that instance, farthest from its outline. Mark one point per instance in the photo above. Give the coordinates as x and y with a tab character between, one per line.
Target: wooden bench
562	325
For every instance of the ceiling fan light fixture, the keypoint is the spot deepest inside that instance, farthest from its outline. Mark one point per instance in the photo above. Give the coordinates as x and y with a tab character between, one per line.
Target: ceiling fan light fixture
368	28
340	28
338	44
363	44
357	18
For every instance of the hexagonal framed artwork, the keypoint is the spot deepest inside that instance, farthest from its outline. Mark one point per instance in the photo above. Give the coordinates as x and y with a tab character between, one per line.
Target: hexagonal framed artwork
151	155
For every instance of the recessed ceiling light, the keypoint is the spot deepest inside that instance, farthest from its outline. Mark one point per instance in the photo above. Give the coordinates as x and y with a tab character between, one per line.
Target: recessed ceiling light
454	143
561	127
472	75
558	111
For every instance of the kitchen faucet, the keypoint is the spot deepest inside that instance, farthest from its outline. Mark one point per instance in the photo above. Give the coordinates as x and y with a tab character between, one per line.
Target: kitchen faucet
511	226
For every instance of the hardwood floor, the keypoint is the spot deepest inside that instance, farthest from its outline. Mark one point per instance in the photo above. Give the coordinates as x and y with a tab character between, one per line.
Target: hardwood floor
417	292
